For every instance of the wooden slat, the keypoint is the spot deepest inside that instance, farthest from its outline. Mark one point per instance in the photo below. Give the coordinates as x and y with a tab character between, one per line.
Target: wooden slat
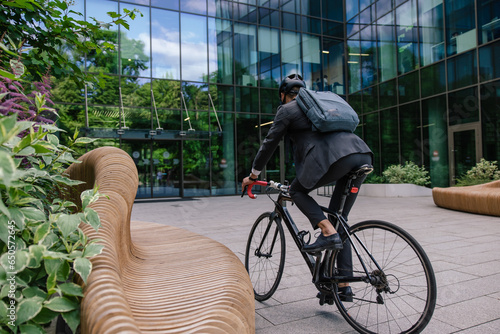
154	278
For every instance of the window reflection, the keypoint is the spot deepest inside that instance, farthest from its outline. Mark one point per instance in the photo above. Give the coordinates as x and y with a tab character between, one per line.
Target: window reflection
430	14
389	141
333	59
386	47
245	54
290	52
194	6
220	51
406	32
107	61
410	130
194	47
134	44
488	17
311	50
460	26
165	44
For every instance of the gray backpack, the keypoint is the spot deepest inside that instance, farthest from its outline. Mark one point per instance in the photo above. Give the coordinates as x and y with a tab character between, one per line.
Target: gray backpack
327	111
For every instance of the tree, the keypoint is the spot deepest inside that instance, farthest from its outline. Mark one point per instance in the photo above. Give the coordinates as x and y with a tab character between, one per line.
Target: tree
37	35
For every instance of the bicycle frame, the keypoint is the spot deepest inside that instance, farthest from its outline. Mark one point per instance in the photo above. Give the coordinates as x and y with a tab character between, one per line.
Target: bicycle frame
316	262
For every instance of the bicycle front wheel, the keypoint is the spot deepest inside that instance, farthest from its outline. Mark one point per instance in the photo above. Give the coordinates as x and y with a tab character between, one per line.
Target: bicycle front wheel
399	294
265	255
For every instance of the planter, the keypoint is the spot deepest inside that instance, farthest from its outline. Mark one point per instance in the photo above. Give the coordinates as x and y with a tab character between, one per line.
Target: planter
394	190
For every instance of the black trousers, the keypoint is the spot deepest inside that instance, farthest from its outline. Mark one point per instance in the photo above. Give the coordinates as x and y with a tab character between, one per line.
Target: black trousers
311	209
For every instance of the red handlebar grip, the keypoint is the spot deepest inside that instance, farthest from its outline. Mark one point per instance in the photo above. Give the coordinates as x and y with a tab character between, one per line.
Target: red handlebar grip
249	189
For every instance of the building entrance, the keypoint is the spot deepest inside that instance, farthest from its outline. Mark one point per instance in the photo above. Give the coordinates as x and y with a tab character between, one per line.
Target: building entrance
170	168
465	144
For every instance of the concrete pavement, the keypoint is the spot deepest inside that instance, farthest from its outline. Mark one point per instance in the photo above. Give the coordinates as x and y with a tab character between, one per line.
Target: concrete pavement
464	250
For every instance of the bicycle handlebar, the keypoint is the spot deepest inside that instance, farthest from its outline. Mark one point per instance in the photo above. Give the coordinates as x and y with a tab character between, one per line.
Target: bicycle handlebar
271	184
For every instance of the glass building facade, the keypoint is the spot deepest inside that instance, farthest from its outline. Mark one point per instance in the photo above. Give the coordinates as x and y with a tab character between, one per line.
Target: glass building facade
191	88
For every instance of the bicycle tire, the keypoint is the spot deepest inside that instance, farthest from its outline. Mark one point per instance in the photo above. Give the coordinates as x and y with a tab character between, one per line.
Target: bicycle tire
265	266
409	304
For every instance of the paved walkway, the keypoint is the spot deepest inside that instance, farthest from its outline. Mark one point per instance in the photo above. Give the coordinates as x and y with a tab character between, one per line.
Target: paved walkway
464	250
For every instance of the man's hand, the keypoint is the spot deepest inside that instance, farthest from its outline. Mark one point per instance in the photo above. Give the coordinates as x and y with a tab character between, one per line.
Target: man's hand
246	182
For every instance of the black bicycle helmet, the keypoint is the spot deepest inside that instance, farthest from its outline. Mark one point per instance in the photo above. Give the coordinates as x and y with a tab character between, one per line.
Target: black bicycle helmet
293	80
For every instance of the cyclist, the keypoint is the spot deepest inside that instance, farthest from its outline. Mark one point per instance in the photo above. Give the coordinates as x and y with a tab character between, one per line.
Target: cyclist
320	158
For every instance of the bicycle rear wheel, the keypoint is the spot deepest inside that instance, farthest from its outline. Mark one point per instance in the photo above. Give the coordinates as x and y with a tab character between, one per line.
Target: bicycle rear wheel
265	255
402	295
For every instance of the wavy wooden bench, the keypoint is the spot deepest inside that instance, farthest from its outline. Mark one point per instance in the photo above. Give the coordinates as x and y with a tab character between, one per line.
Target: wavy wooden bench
152	277
482	198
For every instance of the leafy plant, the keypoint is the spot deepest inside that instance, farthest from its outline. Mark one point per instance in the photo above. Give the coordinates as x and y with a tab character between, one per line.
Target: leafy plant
42	247
407	173
484	172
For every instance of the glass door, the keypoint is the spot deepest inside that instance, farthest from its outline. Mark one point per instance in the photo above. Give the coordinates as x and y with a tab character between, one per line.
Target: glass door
196	168
166	169
140	151
465	148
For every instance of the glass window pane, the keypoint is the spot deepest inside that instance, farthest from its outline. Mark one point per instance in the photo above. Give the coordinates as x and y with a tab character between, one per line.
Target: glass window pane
332	10
248	143
408	87
370	99
435	148
223	97
311	50
224	157
167	94
245	54
195	96
463	106
489	61
220	51
194	6
389	141
462	70
353	63
269	101
386	48
332	29
106	95
245	13
410	126
135	44
194	47
269	17
407	33
290	21
165	44
430	14
106	62
488	20
388	94
247	99
169	4
368	56
311	8
351	8
166	177
222	8
383	6
372	136
136	92
269	58
291	6
290	52
333	66
433	79
490	120
460	26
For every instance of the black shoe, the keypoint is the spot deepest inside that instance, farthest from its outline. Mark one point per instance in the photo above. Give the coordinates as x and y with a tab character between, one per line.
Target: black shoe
345	294
330	242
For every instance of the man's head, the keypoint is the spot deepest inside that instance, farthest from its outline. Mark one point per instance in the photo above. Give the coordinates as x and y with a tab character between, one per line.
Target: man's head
289	88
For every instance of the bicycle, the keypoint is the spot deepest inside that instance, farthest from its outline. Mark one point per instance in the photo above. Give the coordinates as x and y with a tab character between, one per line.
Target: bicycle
392	280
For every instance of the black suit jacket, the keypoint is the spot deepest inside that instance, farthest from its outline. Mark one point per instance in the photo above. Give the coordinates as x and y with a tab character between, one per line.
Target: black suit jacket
314	152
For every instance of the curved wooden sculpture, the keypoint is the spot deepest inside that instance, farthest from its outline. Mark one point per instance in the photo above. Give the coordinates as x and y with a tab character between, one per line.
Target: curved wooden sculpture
482	198
154	278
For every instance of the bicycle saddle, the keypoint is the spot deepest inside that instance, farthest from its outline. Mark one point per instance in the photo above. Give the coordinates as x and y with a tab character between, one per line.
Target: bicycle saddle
362	170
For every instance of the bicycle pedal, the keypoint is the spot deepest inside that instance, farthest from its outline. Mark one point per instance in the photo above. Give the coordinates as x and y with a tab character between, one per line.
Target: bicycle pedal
325	298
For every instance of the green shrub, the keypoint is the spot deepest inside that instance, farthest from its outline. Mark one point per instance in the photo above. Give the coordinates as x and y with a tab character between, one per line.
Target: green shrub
407	173
42	248
484	172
